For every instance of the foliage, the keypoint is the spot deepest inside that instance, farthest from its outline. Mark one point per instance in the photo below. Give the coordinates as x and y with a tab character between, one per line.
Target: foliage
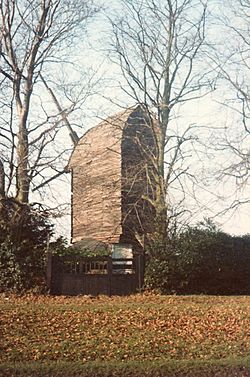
60	247
123	330
87	249
23	238
165	276
204	260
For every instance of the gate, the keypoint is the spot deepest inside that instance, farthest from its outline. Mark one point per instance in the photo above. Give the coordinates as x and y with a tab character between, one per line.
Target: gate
94	276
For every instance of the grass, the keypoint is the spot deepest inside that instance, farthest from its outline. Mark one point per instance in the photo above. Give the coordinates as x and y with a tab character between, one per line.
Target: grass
83	336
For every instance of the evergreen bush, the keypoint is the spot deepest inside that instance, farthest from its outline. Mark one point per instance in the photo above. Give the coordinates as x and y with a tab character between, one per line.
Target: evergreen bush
202	260
24	232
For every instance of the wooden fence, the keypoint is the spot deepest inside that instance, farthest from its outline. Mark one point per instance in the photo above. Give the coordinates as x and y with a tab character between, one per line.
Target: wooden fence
94	276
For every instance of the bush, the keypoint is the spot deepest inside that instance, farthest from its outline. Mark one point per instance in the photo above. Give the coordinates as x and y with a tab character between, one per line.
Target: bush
23	238
88	248
165	276
203	260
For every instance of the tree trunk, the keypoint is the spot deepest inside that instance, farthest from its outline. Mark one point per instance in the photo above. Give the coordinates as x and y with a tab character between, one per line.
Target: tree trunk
23	181
2	181
160	193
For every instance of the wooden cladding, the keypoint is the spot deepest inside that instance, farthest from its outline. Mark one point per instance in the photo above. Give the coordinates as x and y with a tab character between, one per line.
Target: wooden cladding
110	167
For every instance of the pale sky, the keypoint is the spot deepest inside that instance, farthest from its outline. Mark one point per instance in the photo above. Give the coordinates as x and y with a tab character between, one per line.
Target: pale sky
213	195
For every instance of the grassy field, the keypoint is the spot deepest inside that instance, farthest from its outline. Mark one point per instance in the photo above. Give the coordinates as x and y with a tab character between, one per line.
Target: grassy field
141	335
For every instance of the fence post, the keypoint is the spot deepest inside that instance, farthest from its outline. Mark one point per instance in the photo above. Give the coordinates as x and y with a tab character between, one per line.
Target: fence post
139	272
49	270
109	268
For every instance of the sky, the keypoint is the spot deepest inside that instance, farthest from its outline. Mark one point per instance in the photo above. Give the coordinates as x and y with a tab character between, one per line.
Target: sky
213	195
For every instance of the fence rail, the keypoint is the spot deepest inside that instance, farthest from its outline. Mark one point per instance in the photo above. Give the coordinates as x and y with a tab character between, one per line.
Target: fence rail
74	275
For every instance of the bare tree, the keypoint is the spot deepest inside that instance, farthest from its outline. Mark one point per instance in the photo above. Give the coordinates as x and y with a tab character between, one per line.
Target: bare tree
232	62
159	47
35	38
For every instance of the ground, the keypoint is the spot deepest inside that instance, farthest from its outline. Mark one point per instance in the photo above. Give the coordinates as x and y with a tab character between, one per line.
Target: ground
186	335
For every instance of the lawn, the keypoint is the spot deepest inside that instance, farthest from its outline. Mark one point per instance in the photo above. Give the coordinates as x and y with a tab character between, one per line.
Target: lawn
141	335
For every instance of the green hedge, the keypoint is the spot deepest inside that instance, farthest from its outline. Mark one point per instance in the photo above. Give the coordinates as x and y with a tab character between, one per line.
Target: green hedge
202	260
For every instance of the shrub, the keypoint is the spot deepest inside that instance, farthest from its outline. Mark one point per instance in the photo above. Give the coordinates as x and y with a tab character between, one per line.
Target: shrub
202	260
88	248
167	275
23	238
